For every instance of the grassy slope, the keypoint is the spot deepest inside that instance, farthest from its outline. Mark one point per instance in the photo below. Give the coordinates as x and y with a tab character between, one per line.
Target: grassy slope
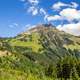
34	43
20	67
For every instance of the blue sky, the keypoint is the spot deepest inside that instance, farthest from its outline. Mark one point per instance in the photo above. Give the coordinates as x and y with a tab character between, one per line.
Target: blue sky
18	15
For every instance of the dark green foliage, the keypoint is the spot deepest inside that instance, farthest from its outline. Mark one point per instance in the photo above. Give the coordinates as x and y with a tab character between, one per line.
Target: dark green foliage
66	68
49	71
78	68
22	50
64	71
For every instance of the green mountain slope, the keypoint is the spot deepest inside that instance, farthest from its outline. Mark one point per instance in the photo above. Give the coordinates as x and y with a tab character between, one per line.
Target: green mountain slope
39	54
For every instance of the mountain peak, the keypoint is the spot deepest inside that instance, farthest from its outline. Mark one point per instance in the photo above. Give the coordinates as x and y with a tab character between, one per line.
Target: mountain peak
41	27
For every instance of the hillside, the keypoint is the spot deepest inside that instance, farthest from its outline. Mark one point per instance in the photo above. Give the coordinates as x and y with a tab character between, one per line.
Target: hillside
39	54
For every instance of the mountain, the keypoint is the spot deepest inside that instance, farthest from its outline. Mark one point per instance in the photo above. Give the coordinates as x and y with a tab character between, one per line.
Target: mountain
39	54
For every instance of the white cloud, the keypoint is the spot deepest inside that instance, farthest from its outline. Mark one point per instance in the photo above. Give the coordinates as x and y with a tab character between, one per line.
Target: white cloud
73	28
34	7
29	26
33	10
53	18
70	14
13	25
58	5
74	5
42	11
33	2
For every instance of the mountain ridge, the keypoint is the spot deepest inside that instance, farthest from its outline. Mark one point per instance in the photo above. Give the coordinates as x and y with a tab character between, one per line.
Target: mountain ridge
45	26
41	50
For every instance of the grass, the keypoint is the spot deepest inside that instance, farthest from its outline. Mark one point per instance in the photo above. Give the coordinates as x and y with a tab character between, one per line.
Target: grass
72	47
34	44
18	75
12	75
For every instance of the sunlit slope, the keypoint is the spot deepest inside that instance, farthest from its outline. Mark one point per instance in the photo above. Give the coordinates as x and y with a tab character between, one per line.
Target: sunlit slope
29	55
32	38
26	40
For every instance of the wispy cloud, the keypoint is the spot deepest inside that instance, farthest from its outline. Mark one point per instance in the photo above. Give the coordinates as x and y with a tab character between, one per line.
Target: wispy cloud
33	2
33	10
29	26
42	11
53	18
74	5
58	5
13	25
